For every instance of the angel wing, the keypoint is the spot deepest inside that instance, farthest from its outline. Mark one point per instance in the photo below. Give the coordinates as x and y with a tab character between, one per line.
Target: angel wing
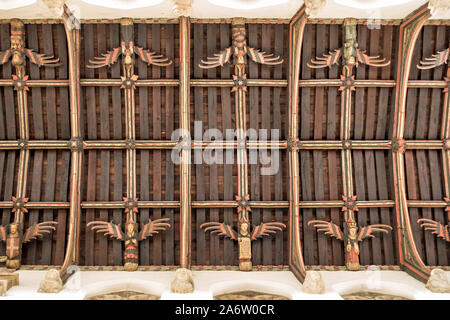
107	59
267	229
4	56
109	228
326	61
375	61
263	58
38	230
328	227
152	227
221	229
41	59
435	228
368	231
219	59
152	58
2	233
441	57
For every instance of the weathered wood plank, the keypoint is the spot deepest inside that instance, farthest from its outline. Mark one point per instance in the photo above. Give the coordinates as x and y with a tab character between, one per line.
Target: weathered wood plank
52	133
143	133
265	124
211	44
380	161
434	127
8	92
277	124
369	156
37	132
156	118
64	133
318	155
253	96
305	156
91	118
358	155
117	133
170	126
228	250
332	134
103	102
201	250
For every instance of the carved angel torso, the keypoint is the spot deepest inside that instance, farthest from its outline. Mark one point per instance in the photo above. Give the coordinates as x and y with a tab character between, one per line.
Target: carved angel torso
15	238
130	237
351	237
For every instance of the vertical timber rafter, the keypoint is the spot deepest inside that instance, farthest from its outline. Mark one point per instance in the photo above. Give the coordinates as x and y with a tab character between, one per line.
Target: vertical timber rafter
409	258
352	57
16	235
131	236
346	111
245	234
445	136
72	28
185	165
296	29
245	253
18	30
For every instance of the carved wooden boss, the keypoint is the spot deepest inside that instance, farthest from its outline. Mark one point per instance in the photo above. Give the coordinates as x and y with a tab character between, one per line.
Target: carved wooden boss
352	56
13	233
130	236
436	60
239	50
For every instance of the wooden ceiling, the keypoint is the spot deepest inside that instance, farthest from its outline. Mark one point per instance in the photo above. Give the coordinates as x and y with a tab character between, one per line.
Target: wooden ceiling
74	184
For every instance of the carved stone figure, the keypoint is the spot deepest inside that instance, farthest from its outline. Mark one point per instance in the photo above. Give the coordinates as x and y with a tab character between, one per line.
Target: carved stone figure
54	6
52	282
3	287
183	282
314	283
182	7
438	282
314	6
439	7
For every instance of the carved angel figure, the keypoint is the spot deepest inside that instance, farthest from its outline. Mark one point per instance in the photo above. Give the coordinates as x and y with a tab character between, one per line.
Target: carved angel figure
19	52
130	237
327	60
262	230
351	237
127	50
239	49
438	59
14	238
350	52
244	237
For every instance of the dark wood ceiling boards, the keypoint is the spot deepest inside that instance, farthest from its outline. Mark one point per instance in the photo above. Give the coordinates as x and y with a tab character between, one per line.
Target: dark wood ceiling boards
340	151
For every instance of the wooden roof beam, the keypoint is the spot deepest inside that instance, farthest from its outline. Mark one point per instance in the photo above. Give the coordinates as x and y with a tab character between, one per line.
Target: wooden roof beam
296	29
73	29
409	258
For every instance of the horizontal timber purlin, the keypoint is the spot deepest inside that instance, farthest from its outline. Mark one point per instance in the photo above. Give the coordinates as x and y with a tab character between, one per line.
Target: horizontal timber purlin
229	83
227	204
261	144
223	267
382	22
